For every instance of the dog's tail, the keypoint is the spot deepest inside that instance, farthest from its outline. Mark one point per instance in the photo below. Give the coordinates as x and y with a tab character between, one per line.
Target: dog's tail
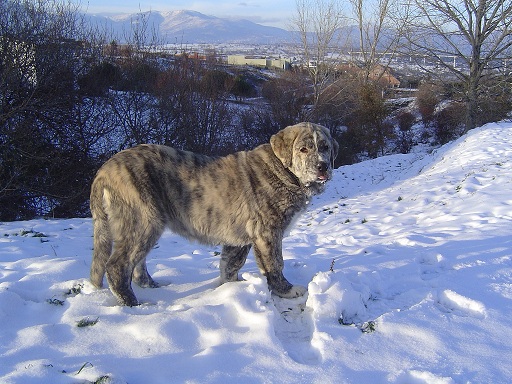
102	235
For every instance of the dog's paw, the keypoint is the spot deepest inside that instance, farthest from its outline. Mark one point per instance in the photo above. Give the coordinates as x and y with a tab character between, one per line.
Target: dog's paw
231	279
295	291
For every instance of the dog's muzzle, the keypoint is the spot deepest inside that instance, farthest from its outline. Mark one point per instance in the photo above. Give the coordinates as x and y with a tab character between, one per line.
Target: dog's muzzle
323	173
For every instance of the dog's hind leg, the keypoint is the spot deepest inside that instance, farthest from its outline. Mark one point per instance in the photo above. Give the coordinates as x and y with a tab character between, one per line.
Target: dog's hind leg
232	259
102	243
131	246
142	277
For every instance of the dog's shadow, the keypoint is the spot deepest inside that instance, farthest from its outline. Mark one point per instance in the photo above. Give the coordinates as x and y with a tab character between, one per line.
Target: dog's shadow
172	292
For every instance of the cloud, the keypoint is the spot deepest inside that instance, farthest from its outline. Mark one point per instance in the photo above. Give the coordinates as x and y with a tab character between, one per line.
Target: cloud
245	4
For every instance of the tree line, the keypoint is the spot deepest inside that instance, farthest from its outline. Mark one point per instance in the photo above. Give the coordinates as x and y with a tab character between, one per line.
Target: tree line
68	101
70	97
475	33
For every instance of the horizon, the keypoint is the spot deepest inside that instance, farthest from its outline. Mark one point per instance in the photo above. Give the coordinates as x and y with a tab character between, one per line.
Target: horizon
264	12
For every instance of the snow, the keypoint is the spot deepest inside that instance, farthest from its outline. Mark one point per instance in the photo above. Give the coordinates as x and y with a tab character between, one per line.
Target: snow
407	259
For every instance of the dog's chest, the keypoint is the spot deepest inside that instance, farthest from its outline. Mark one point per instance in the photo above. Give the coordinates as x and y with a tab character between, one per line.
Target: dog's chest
294	220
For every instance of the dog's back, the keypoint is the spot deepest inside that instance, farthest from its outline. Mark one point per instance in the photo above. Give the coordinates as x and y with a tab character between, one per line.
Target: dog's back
212	200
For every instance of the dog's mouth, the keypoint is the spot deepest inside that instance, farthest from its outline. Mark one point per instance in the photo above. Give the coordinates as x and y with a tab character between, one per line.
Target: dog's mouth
323	172
323	177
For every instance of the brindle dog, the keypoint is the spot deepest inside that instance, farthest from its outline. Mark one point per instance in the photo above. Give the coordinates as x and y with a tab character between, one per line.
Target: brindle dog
241	200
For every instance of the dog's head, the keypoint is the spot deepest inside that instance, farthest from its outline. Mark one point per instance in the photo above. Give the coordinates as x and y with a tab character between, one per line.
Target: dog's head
308	151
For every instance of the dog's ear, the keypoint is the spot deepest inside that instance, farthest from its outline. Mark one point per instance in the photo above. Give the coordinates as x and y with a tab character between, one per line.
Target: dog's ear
282	144
335	149
334	144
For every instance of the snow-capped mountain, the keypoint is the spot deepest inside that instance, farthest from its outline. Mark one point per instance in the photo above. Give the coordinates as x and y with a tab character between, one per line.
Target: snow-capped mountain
189	27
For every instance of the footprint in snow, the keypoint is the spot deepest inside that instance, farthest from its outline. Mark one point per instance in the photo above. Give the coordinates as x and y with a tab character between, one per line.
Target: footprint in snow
431	266
294	328
451	302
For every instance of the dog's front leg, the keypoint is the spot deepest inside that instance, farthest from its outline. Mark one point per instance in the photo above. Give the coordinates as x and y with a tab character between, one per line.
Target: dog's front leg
268	253
232	259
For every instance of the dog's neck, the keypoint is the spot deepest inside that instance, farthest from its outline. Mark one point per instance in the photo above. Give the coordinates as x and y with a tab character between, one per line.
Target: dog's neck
307	190
315	188
310	189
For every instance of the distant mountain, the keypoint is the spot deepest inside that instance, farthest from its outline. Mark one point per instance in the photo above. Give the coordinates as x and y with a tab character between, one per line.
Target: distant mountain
186	27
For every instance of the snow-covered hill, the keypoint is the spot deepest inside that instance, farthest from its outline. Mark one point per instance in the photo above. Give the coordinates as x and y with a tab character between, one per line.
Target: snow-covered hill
407	258
187	27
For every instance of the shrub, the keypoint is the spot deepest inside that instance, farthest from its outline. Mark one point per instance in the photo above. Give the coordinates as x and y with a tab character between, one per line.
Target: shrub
404	140
427	98
449	122
216	82
242	88
368	120
495	100
98	80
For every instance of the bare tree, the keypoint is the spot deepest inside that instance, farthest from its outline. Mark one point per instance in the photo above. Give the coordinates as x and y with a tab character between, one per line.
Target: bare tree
45	167
286	96
476	34
379	32
318	23
345	96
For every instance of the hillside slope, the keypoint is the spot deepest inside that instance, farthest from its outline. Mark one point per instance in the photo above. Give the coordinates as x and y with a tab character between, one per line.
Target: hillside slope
407	258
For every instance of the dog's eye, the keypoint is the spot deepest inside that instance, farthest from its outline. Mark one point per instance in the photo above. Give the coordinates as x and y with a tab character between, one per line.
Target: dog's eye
304	150
323	146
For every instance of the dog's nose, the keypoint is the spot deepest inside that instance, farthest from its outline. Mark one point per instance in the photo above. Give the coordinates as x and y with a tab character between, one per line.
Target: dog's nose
322	167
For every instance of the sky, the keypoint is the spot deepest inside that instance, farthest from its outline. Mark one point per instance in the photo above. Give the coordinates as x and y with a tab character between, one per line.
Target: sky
267	12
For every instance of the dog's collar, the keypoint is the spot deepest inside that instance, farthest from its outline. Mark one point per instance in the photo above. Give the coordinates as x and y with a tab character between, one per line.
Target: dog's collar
294	178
